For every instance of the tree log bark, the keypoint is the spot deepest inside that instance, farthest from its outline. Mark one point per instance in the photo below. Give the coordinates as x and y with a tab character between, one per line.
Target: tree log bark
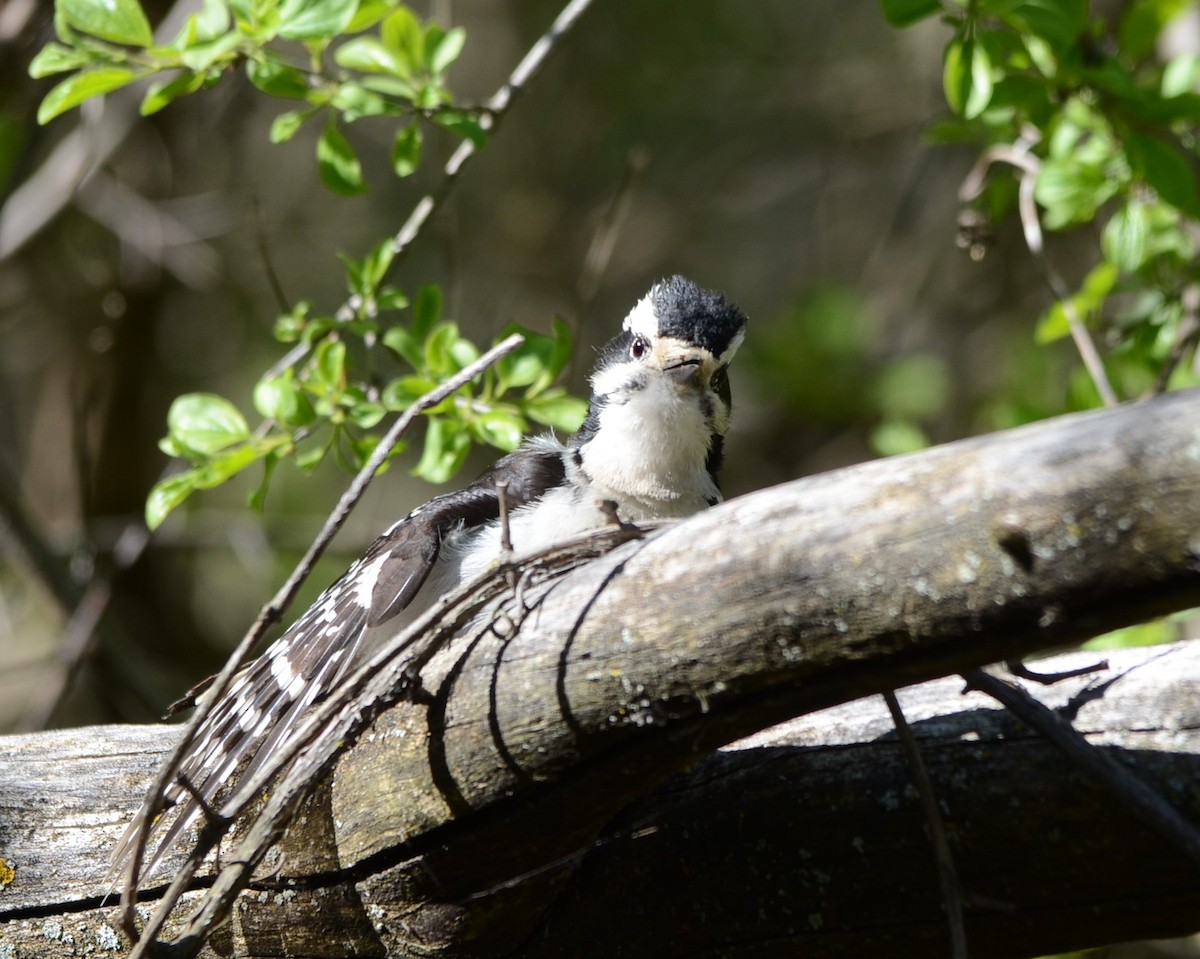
503	818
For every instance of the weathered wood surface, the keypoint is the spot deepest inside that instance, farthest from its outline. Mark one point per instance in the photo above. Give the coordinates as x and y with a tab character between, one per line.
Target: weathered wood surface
460	826
804	838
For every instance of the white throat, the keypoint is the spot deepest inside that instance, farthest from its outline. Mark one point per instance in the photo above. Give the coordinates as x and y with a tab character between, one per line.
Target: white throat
650	451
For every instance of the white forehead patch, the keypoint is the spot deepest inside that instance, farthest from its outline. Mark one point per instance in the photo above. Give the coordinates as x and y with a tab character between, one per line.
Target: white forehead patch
727	356
642	320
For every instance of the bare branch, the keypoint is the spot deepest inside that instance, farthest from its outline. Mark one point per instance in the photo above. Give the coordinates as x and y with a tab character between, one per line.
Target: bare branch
1019	156
1149	806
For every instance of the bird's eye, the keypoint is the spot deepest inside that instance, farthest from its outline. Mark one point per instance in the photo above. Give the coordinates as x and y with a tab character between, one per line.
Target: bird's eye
639	347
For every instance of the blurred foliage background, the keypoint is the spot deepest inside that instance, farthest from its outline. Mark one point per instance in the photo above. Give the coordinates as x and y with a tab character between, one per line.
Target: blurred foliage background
776	151
772	150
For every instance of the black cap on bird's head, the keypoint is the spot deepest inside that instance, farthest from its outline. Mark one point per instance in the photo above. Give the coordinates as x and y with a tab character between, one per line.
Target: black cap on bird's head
693	315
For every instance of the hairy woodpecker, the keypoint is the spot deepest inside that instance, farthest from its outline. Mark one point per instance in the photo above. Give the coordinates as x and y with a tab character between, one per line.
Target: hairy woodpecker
651	443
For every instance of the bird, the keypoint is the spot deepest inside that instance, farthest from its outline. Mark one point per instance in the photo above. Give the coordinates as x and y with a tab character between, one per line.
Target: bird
651	444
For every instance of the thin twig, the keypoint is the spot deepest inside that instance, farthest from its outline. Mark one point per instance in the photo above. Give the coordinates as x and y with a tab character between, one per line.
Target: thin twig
271	613
264	254
1018	155
489	118
1137	796
952	898
604	238
333	727
80	636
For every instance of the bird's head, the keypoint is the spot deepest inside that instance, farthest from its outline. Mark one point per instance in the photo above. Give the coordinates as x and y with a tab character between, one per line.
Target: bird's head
660	404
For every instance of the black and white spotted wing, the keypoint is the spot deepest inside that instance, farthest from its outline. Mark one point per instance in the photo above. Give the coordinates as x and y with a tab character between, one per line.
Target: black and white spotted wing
269	697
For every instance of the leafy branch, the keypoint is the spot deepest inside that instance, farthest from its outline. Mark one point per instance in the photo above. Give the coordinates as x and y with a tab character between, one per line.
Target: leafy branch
347	60
1099	131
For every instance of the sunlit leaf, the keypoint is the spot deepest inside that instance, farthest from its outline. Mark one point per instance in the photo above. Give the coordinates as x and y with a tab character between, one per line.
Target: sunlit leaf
277	79
286	125
967	77
121	21
556	409
164	92
55	58
338	164
1126	237
446	50
166	495
83	86
367	55
406	150
201	424
315	19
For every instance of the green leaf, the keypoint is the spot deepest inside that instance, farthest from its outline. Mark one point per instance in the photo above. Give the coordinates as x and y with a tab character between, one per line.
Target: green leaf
903	13
330	367
403	391
439	356
528	363
202	424
406	150
162	93
500	429
354	101
367	55
83	86
286	125
121	21
369	13
400	340
201	56
1164	168
447	444
167	494
536	362
391	298
55	58
445	50
1086	302
556	409
1072	190
364	276
315	19
281	399
896	437
258	499
1126	237
391	86
309	460
402	35
462	124
967	77
277	79
376	263
338	164
367	415
1180	76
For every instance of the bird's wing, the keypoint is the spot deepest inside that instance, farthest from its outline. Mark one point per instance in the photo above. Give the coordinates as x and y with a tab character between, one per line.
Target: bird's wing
261	710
